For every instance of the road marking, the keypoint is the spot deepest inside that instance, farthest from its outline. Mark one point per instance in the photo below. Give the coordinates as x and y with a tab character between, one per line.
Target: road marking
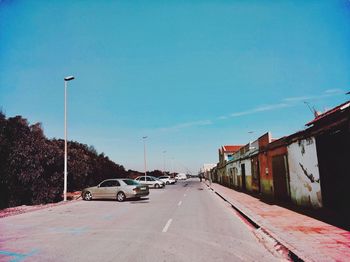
179	204
165	229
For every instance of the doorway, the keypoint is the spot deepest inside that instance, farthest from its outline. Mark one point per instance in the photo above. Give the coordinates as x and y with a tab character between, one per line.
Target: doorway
243	176
333	158
280	177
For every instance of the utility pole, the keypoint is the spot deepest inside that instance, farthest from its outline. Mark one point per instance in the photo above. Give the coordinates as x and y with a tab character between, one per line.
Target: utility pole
144	156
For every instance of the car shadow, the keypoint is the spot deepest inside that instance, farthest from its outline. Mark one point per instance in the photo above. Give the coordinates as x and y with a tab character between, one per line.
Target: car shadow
130	200
138	200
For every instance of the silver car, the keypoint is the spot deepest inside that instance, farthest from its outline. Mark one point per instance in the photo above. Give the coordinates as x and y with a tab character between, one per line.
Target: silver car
119	189
151	181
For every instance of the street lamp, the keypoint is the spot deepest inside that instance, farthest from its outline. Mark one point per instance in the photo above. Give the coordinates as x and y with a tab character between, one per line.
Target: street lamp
164	162
172	165
66	79
144	155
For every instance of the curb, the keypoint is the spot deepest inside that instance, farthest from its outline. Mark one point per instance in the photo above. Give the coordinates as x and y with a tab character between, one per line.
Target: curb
293	254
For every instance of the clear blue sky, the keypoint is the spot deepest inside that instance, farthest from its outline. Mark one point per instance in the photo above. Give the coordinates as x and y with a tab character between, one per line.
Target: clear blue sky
190	75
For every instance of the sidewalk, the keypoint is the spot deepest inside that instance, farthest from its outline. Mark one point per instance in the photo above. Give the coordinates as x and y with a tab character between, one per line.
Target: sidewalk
308	238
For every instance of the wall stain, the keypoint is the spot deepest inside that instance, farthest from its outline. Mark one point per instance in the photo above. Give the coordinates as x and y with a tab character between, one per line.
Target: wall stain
309	176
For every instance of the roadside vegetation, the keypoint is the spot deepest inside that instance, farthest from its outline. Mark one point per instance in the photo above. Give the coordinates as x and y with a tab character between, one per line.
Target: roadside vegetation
31	165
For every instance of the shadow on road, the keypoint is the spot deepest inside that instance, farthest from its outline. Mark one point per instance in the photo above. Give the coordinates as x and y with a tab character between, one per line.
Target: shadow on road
130	200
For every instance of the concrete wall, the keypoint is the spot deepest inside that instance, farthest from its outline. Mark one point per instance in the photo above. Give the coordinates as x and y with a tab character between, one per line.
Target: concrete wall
229	173
233	172
266	180
221	174
248	173
304	173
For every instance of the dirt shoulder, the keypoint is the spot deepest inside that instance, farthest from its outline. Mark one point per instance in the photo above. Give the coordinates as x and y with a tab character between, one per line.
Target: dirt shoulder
12	211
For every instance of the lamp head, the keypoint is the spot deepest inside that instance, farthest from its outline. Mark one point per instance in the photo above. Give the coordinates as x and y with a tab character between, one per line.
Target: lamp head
68	78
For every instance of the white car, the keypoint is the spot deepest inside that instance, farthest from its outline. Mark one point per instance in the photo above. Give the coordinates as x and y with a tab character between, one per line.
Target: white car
150	181
181	176
167	180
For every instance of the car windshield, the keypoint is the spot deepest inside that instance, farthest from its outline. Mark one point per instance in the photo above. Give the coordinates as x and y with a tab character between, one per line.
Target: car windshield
130	182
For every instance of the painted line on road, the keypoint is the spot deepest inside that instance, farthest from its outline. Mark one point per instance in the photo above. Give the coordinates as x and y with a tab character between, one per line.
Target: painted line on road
165	229
179	204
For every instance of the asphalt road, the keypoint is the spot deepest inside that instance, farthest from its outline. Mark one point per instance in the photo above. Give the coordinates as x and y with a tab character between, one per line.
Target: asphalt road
183	222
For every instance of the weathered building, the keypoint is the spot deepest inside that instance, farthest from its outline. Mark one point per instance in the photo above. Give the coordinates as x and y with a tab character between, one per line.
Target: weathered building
239	168
234	172
309	168
206	171
225	155
317	158
273	165
332	134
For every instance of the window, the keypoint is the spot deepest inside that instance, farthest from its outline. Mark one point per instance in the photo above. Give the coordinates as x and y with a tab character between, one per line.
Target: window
105	184
110	183
115	183
130	182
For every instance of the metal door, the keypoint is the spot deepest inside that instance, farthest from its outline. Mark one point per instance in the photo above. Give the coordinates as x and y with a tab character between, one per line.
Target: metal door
280	177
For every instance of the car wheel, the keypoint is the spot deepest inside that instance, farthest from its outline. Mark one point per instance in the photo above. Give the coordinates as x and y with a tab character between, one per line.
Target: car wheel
120	197
156	185
87	196
167	182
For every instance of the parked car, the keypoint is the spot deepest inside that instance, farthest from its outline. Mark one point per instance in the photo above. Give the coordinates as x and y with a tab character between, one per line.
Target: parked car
119	189
167	179
151	181
181	176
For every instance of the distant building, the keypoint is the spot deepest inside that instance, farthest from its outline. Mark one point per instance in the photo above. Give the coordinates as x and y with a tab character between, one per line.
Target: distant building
207	169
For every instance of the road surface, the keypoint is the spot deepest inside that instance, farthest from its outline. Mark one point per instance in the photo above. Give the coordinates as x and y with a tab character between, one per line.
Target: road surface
183	222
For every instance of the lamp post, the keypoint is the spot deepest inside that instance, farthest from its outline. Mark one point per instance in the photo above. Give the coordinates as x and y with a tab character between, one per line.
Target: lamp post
172	165
66	79
144	155
164	162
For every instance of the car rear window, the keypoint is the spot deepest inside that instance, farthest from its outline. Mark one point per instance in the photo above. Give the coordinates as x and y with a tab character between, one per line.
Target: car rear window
130	182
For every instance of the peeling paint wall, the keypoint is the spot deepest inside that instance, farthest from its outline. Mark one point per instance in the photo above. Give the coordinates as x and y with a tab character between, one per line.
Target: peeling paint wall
232	174
248	173
255	174
236	170
304	173
229	174
266	180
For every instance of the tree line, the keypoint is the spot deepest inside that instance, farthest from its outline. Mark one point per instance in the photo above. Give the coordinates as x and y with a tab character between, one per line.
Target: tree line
31	165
